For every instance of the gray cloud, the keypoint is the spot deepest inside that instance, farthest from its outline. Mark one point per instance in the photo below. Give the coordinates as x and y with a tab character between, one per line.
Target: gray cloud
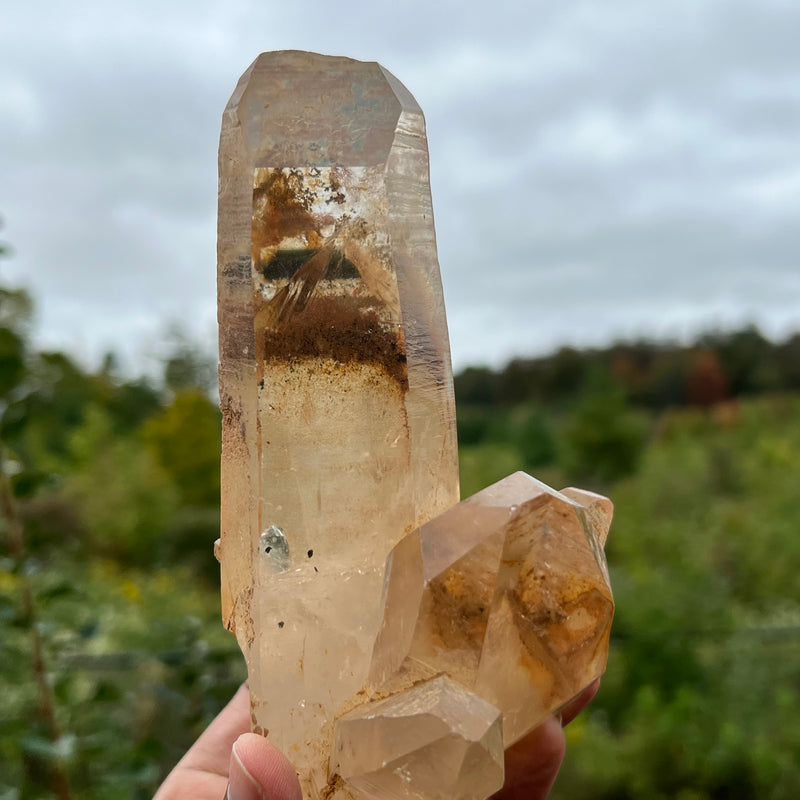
598	168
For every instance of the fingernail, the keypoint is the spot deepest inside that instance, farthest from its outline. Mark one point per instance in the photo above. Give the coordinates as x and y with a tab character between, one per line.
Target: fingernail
241	784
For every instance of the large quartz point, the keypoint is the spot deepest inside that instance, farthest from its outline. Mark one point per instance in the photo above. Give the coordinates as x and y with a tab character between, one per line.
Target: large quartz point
506	592
335	379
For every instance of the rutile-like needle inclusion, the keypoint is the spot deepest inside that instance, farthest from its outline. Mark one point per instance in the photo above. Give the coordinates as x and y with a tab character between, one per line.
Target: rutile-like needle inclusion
335	380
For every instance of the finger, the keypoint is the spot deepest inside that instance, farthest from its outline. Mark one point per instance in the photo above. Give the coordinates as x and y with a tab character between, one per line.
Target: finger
532	763
258	770
202	774
574	707
212	751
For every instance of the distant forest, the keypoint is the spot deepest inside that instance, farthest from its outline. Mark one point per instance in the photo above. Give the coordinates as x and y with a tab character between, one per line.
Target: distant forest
654	375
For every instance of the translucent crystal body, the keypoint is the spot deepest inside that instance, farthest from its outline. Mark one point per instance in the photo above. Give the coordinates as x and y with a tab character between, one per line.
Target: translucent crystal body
335	381
435	740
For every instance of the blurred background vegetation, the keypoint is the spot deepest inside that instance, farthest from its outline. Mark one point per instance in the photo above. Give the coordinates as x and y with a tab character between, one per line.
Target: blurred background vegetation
113	657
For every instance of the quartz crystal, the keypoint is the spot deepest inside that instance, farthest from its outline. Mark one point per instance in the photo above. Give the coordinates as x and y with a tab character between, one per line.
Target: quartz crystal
435	740
506	592
396	640
335	379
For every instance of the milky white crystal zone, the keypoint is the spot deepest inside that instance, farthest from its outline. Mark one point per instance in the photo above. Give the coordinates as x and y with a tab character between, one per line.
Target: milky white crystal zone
335	381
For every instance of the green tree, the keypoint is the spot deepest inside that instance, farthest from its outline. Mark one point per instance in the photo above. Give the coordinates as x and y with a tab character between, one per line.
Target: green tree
185	440
12	344
185	365
747	359
535	437
485	464
788	357
474	386
124	498
701	694
603	439
15	316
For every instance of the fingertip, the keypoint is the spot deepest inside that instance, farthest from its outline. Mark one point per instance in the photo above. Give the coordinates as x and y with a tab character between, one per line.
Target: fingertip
259	770
549	744
574	707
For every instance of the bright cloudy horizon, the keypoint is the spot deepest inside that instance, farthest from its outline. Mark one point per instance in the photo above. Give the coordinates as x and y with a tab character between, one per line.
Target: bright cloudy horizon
600	170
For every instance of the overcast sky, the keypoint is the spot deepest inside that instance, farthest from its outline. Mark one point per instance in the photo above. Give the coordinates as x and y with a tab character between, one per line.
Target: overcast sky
599	169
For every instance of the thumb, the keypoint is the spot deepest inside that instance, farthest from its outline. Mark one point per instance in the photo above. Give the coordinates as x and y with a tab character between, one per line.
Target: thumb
259	771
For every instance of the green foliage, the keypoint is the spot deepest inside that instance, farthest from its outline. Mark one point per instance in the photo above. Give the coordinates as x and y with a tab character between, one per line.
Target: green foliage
473	423
603	439
185	440
185	366
12	360
789	359
536	438
702	693
138	662
53	399
129	404
117	485
527	431
749	360
474	386
125	499
15	313
107	585
486	464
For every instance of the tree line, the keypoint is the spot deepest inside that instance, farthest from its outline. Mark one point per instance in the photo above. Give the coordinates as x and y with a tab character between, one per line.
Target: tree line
716	366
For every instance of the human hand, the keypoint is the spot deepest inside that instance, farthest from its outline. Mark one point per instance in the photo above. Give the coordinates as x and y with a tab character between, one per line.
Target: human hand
252	768
532	763
228	756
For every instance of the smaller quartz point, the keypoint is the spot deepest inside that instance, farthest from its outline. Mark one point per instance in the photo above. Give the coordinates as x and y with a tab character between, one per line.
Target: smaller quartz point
599	509
507	593
436	740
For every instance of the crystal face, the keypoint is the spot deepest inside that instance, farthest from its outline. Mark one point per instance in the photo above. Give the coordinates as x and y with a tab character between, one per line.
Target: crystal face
435	740
396	640
335	379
